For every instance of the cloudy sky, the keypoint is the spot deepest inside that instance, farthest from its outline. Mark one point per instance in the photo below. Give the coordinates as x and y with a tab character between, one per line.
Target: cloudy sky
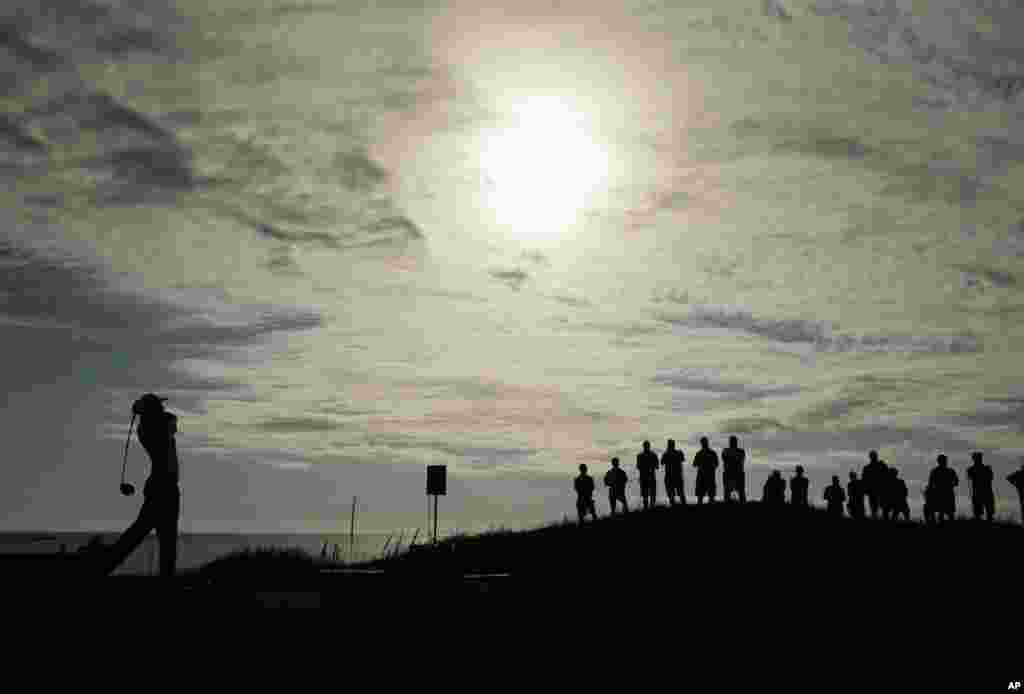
349	239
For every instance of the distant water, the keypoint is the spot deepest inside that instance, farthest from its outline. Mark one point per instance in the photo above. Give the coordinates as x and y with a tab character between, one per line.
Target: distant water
196	549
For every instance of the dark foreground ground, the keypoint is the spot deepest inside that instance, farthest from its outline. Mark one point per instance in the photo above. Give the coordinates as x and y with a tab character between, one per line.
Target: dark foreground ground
717	562
735	598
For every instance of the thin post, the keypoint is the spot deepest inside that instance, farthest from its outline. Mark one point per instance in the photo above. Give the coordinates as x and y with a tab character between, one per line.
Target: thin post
435	519
352	530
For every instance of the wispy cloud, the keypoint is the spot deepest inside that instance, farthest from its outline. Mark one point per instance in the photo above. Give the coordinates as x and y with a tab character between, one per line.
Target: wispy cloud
513	277
819	334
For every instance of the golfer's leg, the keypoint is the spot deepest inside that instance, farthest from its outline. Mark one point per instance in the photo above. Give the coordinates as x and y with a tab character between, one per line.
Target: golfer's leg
130	539
167	533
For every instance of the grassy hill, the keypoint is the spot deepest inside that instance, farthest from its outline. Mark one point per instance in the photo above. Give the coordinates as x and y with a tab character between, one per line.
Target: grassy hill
718	561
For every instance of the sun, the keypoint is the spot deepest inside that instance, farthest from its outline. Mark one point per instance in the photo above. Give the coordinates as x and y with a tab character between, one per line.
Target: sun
539	172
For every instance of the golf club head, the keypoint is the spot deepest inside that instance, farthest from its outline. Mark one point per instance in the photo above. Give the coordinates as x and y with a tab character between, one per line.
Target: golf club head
127	489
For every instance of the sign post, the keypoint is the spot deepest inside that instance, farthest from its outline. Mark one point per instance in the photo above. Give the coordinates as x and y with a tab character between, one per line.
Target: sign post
437	485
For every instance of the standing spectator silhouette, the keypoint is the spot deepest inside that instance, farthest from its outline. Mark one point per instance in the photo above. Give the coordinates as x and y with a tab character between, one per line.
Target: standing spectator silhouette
928	510
874	481
855	496
898	493
887	493
942	483
646	464
161	496
584	485
706	462
1017	480
733	477
980	476
615	479
774	493
672	461
834	497
798	489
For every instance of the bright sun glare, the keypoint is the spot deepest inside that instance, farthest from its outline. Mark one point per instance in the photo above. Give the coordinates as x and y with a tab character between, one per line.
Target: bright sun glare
539	171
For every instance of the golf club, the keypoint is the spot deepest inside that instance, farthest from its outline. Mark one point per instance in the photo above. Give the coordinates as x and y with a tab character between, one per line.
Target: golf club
127	489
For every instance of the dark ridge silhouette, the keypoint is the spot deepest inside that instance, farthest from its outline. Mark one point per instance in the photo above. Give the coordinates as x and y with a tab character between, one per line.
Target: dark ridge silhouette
742	550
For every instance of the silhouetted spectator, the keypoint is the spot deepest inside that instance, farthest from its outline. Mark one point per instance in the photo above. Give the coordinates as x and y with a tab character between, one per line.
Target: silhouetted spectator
887	494
874	479
162	498
672	462
834	497
646	464
733	477
980	476
942	483
855	496
774	493
584	485
929	505
897	499
706	462
615	479
1017	480
798	489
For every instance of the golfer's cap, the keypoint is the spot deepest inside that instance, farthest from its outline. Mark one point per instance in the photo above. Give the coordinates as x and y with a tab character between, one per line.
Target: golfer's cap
151	400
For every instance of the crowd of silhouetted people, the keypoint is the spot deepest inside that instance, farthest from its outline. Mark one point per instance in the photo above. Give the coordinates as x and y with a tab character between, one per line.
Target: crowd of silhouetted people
879	491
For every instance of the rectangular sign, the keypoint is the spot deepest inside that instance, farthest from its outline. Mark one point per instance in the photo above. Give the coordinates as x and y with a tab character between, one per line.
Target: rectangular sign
437	482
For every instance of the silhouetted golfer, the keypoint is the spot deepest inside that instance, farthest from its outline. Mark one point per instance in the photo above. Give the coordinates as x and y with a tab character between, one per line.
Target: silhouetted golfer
798	489
584	485
874	479
161	496
733	477
774	493
706	462
646	464
615	479
672	462
834	497
942	483
897	505
980	476
1017	480
855	496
